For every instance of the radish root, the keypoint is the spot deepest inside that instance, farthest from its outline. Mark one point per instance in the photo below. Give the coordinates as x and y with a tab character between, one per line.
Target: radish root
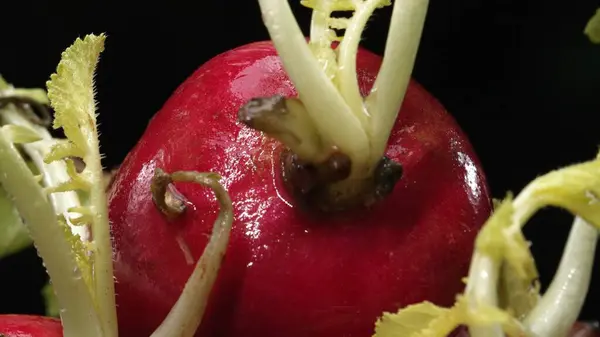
186	315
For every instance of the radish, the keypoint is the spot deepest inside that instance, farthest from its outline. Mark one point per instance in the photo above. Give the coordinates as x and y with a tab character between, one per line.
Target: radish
342	210
320	204
29	326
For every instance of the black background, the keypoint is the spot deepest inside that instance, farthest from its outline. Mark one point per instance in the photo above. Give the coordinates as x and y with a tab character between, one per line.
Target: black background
519	76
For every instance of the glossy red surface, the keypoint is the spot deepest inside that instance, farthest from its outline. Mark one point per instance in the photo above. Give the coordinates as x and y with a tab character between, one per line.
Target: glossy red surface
585	329
29	326
286	272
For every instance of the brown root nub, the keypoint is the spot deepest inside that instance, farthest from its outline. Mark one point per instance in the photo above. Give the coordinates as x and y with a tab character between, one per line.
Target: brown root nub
187	313
37	113
263	113
305	176
165	197
316	172
286	120
316	185
387	174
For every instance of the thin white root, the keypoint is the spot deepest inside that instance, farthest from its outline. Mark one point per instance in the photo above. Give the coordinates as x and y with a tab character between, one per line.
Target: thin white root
186	315
560	306
482	291
387	94
348	49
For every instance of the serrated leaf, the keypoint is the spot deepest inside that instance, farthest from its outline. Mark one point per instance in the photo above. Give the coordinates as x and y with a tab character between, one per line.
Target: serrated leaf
411	320
575	188
428	320
496	242
74	100
71	92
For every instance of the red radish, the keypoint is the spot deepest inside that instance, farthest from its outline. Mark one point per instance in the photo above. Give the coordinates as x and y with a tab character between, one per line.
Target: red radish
29	326
323	208
292	268
583	329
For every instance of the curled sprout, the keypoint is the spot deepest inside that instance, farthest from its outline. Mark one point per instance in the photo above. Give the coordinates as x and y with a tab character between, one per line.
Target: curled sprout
79	263
502	293
81	270
187	313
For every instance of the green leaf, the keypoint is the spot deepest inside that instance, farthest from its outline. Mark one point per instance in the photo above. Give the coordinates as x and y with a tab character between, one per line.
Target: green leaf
73	100
13	233
416	319
4	85
502	245
52	306
575	188
72	95
592	29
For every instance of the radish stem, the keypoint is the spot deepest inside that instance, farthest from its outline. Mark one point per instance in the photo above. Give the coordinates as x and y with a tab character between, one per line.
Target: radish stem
78	312
287	121
332	116
71	93
387	94
186	315
347	78
573	188
327	84
482	290
559	308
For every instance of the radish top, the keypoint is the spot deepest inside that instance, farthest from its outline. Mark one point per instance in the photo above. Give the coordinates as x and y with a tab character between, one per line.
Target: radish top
502	293
72	238
330	126
326	79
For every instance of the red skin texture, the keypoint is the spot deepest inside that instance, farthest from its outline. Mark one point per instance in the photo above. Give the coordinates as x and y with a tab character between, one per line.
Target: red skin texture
29	326
582	329
288	272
